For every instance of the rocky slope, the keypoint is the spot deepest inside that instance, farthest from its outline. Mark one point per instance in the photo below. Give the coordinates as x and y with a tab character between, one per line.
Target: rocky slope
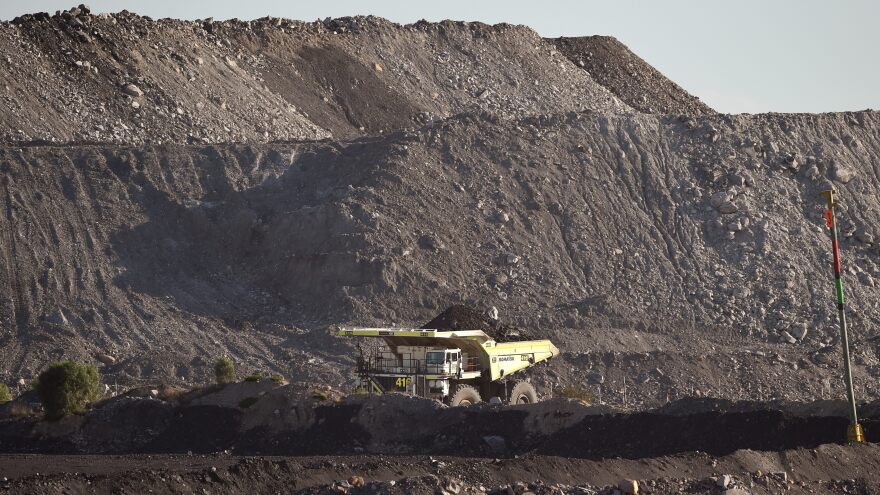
666	238
129	79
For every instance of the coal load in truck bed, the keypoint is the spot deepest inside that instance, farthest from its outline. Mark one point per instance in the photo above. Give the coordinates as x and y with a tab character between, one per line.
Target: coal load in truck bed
461	317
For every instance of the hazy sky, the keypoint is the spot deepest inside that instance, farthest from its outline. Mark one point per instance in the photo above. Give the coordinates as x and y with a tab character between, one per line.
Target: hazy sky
737	55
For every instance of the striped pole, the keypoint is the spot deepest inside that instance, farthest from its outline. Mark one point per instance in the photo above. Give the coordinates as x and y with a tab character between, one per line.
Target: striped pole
854	433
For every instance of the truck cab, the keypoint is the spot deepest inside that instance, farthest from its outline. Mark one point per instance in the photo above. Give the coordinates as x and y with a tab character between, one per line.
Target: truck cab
443	362
416	360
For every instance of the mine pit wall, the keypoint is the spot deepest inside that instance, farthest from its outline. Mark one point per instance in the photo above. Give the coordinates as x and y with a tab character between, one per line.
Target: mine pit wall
580	221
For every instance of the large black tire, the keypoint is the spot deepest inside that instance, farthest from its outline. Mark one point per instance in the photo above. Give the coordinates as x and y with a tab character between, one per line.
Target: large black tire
465	395
522	393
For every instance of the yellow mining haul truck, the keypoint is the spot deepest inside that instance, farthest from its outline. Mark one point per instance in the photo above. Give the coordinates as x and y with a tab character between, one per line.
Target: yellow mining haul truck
459	367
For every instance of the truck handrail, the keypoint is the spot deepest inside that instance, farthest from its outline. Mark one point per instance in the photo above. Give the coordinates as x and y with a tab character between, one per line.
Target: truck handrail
379	364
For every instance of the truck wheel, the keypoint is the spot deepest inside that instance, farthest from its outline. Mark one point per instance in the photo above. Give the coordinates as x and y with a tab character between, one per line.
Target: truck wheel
465	395
523	393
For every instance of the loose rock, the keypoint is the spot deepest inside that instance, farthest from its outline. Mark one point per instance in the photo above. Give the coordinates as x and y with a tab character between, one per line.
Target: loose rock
132	90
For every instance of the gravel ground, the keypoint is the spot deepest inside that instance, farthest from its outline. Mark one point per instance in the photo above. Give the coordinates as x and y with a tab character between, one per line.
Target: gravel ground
829	469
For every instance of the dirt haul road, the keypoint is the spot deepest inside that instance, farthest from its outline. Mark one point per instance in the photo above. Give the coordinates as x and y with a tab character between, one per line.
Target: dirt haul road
828	469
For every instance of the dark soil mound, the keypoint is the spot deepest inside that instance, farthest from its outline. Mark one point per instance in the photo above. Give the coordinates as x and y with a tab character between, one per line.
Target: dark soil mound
717	433
126	426
637	83
461	317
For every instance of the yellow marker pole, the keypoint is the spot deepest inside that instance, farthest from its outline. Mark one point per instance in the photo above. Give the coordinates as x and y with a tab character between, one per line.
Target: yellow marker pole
854	433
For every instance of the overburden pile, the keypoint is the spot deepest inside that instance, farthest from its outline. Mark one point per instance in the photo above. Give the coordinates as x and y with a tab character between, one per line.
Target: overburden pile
127	79
266	181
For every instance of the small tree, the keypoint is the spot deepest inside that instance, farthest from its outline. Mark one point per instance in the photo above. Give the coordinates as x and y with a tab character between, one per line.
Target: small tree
66	387
5	396
224	371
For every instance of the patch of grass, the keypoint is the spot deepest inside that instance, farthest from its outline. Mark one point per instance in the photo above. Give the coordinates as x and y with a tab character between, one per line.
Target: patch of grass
277	378
575	392
19	409
255	377
224	371
66	387
194	393
248	402
5	395
169	392
320	395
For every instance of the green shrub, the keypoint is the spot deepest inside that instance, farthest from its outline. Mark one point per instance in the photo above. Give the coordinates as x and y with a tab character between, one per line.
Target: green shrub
5	396
277	378
248	402
575	392
255	377
320	395
66	387
224	371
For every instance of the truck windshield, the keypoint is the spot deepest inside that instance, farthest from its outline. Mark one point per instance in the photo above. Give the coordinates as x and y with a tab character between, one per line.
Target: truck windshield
434	358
